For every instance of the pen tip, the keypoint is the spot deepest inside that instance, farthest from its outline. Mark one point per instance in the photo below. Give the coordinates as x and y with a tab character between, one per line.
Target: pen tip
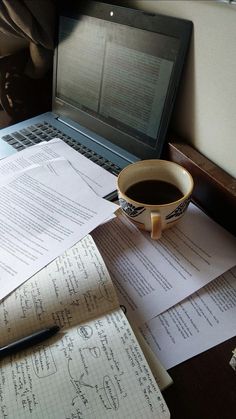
55	328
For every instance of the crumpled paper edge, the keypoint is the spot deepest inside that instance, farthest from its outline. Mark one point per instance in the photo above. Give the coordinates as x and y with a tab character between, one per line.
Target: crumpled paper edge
232	362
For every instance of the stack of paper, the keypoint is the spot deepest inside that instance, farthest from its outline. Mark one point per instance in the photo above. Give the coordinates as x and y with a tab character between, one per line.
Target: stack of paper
177	290
94	366
50	199
180	291
45	207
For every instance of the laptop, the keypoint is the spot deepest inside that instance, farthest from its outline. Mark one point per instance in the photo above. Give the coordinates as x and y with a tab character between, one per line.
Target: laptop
116	73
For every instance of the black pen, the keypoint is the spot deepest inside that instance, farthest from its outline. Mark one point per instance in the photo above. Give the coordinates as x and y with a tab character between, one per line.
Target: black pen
28	341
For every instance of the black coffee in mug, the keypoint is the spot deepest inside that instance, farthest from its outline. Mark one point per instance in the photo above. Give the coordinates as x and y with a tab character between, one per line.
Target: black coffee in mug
154	192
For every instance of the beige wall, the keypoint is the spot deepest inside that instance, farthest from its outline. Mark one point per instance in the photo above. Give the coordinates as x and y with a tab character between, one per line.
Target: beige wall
205	114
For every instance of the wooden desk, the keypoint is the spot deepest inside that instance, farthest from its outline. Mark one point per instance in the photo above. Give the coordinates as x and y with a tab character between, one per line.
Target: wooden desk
205	386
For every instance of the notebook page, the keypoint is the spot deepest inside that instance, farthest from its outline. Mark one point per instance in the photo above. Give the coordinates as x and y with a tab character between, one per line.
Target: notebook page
94	370
74	287
160	374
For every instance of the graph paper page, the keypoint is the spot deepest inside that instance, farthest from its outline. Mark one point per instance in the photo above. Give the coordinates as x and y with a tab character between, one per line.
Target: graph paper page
94	370
73	288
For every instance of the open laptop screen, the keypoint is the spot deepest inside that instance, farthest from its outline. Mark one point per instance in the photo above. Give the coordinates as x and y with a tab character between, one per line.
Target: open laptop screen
116	78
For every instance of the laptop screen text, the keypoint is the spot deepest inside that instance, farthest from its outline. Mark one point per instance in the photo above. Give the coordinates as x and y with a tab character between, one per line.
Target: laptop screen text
116	73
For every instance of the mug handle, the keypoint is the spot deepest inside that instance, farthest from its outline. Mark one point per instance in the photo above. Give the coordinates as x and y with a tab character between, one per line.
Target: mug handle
156	225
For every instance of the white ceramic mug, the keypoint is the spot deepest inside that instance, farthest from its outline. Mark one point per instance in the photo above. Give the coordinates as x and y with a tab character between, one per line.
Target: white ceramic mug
154	217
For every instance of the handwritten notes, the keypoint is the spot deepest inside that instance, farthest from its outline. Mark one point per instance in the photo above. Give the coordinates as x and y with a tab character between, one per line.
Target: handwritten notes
67	291
94	367
94	370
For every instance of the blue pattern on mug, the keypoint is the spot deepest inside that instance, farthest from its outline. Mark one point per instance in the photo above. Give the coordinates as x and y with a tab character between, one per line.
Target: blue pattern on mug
130	209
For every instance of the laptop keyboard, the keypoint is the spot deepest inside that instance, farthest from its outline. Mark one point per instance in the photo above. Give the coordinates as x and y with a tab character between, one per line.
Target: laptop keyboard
37	133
